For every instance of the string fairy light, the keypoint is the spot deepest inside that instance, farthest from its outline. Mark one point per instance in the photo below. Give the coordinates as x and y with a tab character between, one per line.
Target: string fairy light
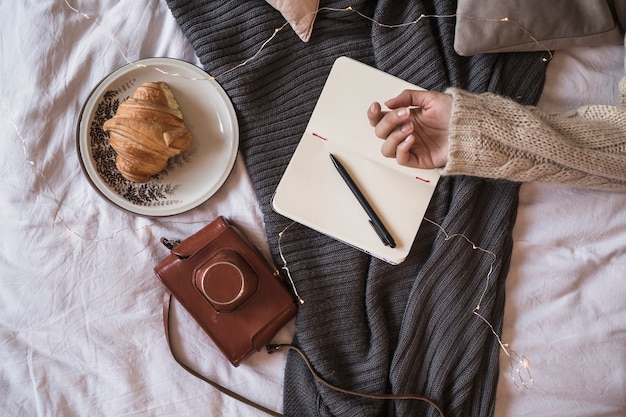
58	216
520	365
315	13
39	173
162	71
101	27
442	16
285	267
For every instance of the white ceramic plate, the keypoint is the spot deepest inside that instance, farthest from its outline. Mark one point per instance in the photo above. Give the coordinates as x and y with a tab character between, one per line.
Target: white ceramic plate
192	177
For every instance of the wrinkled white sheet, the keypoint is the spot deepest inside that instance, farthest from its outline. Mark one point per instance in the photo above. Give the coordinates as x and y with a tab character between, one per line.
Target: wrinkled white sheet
81	330
566	290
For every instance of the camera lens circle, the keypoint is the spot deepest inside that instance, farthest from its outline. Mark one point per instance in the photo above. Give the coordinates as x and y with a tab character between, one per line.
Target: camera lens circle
223	283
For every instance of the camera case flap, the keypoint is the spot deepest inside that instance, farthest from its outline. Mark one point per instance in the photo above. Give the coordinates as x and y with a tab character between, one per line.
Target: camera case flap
229	288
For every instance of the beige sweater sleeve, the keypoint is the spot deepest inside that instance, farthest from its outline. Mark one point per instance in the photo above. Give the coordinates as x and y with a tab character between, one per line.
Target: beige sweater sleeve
494	137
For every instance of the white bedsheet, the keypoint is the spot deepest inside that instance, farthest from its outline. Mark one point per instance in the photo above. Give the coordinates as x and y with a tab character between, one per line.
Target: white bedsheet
81	330
566	290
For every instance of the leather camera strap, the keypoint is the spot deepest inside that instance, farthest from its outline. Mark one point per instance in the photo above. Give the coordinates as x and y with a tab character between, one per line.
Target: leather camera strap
417	397
273	348
167	302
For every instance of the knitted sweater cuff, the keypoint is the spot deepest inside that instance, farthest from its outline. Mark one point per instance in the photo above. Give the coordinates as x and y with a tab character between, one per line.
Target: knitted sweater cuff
471	149
493	137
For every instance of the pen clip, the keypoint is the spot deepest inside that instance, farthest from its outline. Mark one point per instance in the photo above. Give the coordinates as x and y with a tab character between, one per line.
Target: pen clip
379	233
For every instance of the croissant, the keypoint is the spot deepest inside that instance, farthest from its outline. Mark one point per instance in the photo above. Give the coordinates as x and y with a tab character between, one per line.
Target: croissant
146	131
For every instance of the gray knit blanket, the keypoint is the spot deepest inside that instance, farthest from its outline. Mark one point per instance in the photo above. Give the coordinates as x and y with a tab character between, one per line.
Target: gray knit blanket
367	325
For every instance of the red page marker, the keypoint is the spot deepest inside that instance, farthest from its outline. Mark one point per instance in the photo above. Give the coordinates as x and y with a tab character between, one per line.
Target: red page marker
319	136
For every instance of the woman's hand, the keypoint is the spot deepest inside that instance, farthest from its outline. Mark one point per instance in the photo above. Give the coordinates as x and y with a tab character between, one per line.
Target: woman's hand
416	129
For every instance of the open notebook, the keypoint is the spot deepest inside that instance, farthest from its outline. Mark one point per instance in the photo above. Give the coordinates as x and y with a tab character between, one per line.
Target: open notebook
312	192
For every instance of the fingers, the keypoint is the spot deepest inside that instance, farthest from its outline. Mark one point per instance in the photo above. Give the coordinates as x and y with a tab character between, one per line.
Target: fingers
403	151
386	122
396	120
400	148
396	139
404	99
418	98
374	114
414	137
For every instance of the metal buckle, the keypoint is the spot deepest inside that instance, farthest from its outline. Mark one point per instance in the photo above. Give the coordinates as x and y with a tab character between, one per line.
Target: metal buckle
170	243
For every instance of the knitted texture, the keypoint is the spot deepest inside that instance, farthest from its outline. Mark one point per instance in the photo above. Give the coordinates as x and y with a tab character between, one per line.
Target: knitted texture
367	325
493	137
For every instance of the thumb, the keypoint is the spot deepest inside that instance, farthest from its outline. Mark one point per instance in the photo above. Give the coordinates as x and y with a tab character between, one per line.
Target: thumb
418	98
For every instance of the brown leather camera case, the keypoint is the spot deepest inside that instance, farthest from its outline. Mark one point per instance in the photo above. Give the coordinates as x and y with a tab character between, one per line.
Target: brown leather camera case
229	288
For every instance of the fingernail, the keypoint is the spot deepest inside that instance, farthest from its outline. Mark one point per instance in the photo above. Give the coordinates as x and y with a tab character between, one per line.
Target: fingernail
402	112
405	128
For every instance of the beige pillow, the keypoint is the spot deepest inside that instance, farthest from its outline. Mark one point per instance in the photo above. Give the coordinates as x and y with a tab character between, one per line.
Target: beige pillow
554	24
299	13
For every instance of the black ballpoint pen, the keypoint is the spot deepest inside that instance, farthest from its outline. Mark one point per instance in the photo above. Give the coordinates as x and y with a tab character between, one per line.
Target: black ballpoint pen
375	221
